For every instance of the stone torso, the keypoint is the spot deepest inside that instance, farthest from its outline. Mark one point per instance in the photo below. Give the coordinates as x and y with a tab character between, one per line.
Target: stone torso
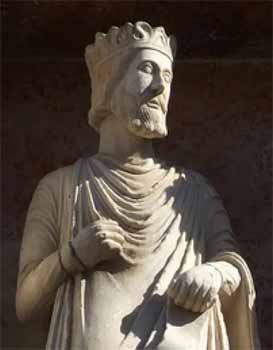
125	299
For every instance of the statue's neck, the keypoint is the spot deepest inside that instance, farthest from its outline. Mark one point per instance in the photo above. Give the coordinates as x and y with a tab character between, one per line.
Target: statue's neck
118	142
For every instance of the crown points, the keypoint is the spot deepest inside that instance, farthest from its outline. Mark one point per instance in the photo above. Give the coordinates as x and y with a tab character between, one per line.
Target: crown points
143	31
138	35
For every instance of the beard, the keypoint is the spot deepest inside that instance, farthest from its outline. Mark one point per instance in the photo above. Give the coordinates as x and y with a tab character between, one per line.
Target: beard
146	119
148	123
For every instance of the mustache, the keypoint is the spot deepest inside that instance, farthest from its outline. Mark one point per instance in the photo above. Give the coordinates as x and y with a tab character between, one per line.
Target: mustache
154	102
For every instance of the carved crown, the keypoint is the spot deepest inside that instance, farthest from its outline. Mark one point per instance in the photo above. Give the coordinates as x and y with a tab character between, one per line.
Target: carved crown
129	36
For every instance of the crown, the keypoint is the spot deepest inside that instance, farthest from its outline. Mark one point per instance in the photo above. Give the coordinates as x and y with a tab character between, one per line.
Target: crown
129	36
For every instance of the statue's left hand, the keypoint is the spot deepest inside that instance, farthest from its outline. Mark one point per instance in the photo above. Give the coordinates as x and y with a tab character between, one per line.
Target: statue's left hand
196	289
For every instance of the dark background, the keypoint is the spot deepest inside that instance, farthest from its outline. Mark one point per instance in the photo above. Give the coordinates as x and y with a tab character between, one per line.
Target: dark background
219	118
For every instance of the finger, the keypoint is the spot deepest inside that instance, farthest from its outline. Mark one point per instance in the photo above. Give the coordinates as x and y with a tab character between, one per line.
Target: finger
108	230
112	245
173	288
191	296
199	299
114	236
99	229
209	299
182	293
105	233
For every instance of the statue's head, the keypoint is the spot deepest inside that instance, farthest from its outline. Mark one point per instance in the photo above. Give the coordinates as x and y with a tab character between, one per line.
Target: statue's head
131	72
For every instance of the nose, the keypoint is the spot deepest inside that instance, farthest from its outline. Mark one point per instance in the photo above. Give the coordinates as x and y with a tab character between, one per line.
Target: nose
157	85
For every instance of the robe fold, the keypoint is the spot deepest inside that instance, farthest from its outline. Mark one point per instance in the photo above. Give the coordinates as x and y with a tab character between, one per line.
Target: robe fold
172	220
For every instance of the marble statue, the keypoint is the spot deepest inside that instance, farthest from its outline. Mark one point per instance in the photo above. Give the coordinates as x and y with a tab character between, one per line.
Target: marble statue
124	251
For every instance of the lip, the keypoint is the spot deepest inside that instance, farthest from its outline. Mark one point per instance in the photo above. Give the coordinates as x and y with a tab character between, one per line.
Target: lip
153	104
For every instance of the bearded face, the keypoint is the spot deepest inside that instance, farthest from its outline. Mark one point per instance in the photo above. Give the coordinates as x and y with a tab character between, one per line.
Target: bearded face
149	120
141	98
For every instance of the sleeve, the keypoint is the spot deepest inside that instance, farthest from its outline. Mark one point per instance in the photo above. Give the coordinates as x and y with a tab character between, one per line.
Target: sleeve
219	239
39	268
40	237
219	236
223	253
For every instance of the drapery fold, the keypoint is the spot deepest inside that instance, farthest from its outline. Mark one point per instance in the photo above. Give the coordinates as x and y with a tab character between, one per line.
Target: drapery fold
161	211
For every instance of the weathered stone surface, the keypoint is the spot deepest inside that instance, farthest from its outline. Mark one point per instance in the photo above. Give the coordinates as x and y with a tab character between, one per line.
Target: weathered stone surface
46	101
45	126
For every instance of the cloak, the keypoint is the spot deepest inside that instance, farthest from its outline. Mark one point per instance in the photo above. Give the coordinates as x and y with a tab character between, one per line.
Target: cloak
173	220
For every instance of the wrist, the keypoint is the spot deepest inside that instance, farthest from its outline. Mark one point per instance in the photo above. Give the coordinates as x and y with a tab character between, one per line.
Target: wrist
69	262
76	256
216	273
230	275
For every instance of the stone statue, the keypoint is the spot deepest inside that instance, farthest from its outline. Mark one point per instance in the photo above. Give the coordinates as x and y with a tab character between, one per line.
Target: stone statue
122	250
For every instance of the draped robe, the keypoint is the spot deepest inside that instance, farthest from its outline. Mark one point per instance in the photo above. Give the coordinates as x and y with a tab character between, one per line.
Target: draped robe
172	220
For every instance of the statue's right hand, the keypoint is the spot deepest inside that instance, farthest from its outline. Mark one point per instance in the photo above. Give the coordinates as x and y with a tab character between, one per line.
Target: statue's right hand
102	240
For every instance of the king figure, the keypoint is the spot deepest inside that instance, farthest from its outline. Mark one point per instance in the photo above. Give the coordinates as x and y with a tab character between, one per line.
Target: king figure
120	250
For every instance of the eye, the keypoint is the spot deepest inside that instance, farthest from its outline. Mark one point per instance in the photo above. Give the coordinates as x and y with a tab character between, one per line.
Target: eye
146	67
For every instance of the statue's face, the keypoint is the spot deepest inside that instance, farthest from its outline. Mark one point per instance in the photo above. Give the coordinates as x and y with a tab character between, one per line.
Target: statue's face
141	97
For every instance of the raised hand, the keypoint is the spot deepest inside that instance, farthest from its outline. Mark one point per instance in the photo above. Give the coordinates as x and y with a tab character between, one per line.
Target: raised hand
102	240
